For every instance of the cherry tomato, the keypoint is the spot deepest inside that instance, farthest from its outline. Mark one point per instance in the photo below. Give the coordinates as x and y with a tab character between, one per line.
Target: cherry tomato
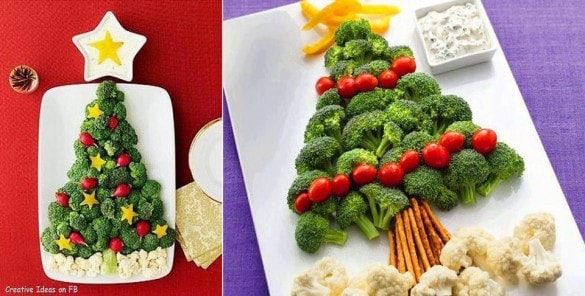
390	174
346	87
403	65
409	161
363	174
323	84
366	82
388	79
453	141
436	155
340	185
484	140
302	203
320	189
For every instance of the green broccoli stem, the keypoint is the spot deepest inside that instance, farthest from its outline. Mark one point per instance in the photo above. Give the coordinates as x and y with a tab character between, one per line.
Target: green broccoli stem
370	141
335	133
439	127
383	147
467	194
329	168
489	185
386	215
335	236
366	226
373	210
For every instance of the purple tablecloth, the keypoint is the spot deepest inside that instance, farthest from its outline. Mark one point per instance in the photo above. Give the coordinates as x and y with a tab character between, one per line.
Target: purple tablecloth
544	43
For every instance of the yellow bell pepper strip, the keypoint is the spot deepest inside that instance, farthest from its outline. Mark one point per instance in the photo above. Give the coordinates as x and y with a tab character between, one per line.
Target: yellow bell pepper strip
380	9
322	44
380	25
339	7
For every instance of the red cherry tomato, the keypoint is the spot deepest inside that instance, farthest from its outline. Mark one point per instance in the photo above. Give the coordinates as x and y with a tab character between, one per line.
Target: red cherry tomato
320	189
403	65
453	141
323	84
363	174
388	79
346	87
409	161
340	185
390	174
116	244
484	140
435	155
366	82
302	203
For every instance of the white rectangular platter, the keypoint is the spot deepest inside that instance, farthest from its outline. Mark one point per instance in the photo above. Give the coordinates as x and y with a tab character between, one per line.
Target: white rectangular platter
149	111
270	93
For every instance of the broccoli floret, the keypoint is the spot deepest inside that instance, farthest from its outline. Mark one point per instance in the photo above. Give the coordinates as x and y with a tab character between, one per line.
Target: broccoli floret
112	147
301	184
106	89
318	153
325	208
151	189
134	154
84	251
80	150
120	96
63	228
57	213
352	30
327	121
329	97
124	134
379	45
416	141
392	155
418	85
72	252
372	131
343	68
89	235
467	169
374	67
116	176
367	101
120	111
75	200
504	163
106	105
92	213
48	237
359	50
144	209
77	221
137	174
333	55
349	159
427	183
130	238
169	239
102	226
108	208
312	230
97	128
394	52
384	202
467	128
409	116
444	110
79	169
352	210
150	242
68	188
103	193
101	244
157	208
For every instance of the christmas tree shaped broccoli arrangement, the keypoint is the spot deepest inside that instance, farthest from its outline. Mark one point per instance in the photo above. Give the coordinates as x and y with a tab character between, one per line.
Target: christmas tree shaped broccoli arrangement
108	210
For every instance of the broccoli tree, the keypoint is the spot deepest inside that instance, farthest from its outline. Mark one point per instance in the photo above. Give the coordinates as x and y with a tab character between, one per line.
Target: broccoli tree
108	190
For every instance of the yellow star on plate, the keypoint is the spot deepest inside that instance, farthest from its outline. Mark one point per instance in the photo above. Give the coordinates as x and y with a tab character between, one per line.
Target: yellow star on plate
94	111
160	231
108	49
89	200
128	213
63	243
97	162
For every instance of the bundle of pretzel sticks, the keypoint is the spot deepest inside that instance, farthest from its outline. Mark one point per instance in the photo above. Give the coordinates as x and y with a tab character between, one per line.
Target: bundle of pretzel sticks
417	239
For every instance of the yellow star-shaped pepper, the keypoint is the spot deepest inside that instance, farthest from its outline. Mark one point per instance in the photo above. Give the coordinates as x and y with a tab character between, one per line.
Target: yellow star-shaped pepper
97	162
128	213
94	111
89	199
160	231
108	49
63	243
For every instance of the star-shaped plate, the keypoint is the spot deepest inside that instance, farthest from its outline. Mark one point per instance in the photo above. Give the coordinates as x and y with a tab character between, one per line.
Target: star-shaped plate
109	49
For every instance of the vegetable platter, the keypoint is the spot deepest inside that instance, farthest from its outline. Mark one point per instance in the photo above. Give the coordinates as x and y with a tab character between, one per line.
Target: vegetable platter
269	86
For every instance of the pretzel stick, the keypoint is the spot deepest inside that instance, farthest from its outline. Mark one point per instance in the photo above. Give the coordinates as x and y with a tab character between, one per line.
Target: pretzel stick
436	243
421	249
443	233
399	253
392	243
404	244
411	246
421	264
423	234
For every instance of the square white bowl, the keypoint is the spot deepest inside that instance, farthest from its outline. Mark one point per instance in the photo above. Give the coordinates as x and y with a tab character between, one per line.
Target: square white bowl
463	60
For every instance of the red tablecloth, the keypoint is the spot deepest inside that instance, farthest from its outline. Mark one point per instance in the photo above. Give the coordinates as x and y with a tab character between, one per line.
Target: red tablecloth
182	55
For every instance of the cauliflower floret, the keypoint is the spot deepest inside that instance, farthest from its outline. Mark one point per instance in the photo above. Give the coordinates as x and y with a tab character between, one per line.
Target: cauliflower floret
473	281
327	274
437	281
353	292
541	266
454	254
505	258
536	225
467	246
477	240
379	279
